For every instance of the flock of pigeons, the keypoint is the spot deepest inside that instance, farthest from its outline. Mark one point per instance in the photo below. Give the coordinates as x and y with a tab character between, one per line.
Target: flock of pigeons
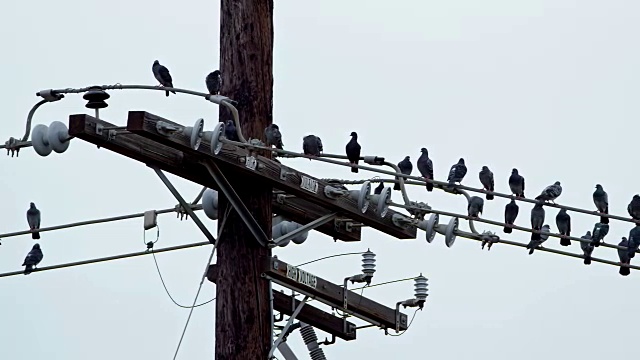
312	146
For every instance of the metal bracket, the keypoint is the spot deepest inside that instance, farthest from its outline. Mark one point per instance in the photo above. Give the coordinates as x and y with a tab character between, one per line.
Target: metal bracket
398	321
286	327
237	203
284	171
166	129
184	204
310	226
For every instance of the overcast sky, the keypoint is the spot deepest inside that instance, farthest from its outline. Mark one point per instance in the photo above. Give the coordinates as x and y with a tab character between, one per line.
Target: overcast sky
547	86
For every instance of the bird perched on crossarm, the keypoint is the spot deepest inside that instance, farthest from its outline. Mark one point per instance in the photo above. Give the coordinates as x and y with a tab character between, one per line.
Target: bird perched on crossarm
353	151
550	193
425	166
161	73
230	131
33	258
311	145
634	207
563	222
486	179
516	183
510	215
405	167
601	200
273	136
33	219
457	172
213	82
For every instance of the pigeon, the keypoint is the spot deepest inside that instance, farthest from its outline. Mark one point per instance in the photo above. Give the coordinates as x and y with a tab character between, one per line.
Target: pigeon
230	131
634	241
550	193
601	199
273	136
533	244
587	247
563	221
405	167
214	82
510	215
623	255
486	179
634	207
425	166
33	258
457	172
516	183
378	189
161	73
311	145
599	232
33	218
537	219
353	151
475	207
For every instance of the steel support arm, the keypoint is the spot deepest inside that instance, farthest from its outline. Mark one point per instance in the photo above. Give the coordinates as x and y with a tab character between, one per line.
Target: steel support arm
310	226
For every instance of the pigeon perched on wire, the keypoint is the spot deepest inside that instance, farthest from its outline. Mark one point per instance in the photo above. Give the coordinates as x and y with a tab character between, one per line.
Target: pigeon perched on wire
475	207
457	172
425	166
311	145
353	151
405	167
33	219
213	82
601	199
161	73
537	219
600	230
623	255
378	189
230	131
533	244
634	207
33	258
486	179
563	221
550	193
634	241
273	136
510	215
587	247
516	183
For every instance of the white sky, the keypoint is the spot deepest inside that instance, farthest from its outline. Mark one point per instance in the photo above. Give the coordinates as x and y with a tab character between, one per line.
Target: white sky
544	86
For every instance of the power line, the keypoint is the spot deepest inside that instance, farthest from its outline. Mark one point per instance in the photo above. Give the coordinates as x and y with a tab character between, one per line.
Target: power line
167	290
329	257
108	258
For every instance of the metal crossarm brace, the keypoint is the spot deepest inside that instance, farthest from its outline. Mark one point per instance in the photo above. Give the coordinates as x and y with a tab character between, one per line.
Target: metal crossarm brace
310	226
286	327
184	204
237	203
286	351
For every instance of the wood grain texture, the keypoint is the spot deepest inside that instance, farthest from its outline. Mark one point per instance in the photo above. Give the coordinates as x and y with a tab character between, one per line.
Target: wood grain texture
243	316
232	158
176	162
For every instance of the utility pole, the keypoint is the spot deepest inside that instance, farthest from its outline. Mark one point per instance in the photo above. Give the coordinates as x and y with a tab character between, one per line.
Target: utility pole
243	316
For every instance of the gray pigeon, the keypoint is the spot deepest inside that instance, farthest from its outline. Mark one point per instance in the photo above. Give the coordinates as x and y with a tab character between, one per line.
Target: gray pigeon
601	199
537	219
634	207
634	241
161	73
563	221
533	244
230	131
311	145
213	82
353	151
516	183
599	232
510	215
623	255
475	207
425	166
33	219
587	247
273	136
550	193
486	179
457	172
405	167
33	258
378	189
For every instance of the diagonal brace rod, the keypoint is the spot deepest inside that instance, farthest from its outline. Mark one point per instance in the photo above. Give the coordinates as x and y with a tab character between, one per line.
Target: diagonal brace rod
310	226
286	327
286	351
184	204
237	203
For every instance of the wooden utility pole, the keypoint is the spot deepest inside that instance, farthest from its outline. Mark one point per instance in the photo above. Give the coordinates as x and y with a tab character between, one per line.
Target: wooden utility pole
243	317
